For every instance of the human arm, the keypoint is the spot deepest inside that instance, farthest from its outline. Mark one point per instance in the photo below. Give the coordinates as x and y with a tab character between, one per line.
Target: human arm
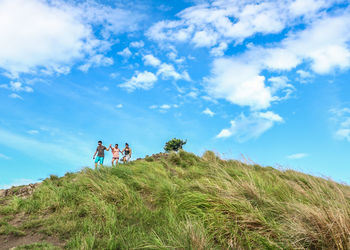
107	149
94	154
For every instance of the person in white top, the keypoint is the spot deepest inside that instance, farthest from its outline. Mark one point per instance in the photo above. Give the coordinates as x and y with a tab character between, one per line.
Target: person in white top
115	152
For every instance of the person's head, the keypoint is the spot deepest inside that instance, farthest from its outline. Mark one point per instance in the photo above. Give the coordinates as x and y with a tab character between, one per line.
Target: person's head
116	145
126	145
99	142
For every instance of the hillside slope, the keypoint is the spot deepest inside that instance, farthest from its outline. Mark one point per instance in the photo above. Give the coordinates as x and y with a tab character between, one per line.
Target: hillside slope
180	201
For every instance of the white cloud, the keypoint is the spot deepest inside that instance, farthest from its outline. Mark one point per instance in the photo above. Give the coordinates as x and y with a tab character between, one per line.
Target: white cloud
207	111
119	106
16	87
239	83
33	132
208	24
225	132
280	84
219	50
240	80
297	156
15	96
343	134
304	74
173	56
137	44
244	128
341	121
2	156
96	60
192	94
168	71
125	52
204	38
151	60
142	80
165	70
165	106
51	36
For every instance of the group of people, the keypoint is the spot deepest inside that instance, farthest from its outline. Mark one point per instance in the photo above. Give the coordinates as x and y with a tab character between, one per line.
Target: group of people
100	151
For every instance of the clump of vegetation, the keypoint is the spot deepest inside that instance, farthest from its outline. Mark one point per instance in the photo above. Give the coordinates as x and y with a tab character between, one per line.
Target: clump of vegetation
174	145
188	202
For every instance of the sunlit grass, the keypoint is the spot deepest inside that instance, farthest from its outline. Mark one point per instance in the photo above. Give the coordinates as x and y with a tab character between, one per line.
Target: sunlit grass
189	202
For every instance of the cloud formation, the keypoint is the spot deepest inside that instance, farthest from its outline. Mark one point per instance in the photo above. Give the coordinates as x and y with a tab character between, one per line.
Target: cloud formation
208	112
208	24
141	80
51	36
244	128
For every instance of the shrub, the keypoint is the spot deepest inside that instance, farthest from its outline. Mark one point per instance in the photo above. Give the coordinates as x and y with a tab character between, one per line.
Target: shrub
174	145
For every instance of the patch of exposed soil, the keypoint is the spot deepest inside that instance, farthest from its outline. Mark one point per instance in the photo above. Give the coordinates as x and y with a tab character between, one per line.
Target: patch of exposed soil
30	237
12	241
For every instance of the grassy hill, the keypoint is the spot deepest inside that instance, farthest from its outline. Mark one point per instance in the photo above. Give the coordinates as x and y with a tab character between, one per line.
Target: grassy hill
179	201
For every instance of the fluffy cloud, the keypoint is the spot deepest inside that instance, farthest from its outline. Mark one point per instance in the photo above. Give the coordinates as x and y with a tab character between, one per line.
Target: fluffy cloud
16	87
207	24
239	83
151	60
51	36
125	52
142	80
137	44
240	80
96	60
207	111
244	128
219	50
165	70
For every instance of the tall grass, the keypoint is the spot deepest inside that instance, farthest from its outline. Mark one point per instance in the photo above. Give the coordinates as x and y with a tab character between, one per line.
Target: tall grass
189	202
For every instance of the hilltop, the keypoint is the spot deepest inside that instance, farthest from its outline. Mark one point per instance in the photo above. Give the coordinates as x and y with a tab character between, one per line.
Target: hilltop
178	201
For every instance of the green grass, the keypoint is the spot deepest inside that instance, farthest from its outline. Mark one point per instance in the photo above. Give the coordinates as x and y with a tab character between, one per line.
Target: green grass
37	246
189	202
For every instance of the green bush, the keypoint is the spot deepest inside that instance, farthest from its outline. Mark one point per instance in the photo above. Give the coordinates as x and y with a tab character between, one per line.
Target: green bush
174	145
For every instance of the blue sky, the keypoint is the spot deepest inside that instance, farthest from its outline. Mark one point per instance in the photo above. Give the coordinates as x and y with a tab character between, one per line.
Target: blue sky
261	81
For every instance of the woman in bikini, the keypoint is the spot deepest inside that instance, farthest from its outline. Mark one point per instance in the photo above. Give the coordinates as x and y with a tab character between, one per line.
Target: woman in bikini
127	153
115	152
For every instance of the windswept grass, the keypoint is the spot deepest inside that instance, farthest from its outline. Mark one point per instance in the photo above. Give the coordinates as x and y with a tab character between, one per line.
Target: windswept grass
189	202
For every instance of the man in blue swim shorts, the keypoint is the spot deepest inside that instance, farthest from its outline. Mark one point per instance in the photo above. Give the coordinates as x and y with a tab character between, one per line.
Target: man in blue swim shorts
100	151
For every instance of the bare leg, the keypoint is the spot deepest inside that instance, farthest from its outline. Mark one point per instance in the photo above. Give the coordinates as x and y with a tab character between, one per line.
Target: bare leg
95	164
113	162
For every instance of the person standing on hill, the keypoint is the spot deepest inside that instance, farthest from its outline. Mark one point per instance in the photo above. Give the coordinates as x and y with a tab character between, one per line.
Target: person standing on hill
115	152
100	151
127	153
